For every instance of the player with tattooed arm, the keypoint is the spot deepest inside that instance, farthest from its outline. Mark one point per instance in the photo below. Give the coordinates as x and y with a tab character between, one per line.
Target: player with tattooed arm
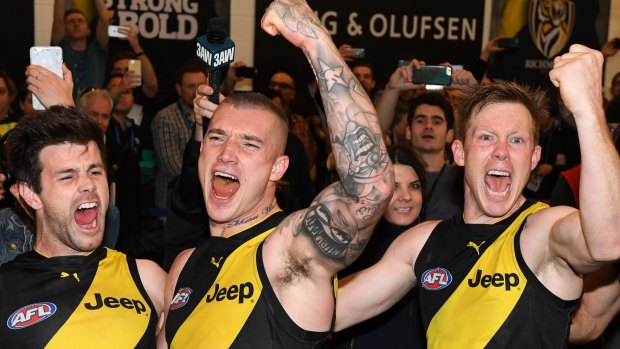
265	280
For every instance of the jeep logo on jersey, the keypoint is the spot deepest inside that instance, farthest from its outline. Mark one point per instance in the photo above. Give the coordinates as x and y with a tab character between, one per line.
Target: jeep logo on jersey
436	279
111	302
242	292
181	298
496	280
30	315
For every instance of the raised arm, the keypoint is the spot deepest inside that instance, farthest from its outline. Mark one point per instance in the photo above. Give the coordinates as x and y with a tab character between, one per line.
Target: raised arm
588	237
340	220
102	23
58	24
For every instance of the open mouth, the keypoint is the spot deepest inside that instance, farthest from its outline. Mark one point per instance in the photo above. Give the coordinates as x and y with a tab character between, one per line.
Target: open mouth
86	215
497	183
224	185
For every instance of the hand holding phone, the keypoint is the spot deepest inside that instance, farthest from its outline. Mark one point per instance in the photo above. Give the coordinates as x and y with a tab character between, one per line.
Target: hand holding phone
114	32
50	58
135	66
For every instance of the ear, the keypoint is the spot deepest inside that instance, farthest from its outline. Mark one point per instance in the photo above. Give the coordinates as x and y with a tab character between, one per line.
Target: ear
450	136
458	153
30	197
535	157
178	88
279	168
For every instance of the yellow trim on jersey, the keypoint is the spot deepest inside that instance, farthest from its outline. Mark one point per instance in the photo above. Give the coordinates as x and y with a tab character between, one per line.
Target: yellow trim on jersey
224	310
485	298
121	319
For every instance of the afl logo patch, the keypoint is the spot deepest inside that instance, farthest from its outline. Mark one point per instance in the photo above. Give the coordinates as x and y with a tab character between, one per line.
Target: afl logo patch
30	315
436	279
181	298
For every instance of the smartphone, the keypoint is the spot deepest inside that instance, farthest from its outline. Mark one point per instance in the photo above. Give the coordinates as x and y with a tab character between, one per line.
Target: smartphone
49	57
358	53
135	65
432	74
508	42
246	72
114	33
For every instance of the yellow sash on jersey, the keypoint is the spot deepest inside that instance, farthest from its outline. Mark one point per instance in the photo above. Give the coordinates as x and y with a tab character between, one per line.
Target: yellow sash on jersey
222	313
120	321
485	298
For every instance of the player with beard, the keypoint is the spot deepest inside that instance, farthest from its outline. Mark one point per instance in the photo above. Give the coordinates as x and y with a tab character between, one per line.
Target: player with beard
69	291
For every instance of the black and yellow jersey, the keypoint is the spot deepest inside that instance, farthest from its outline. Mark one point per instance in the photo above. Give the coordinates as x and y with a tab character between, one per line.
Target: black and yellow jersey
94	301
476	291
223	298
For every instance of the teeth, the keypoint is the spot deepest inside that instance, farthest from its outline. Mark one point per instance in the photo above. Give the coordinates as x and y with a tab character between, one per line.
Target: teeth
498	173
498	193
226	175
87	205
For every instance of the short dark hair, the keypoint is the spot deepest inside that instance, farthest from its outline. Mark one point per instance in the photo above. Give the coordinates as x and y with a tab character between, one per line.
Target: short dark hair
10	85
404	154
434	99
477	97
192	65
54	126
74	10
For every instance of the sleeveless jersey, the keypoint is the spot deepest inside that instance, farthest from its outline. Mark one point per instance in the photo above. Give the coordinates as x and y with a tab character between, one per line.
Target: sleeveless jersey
223	298
476	291
94	301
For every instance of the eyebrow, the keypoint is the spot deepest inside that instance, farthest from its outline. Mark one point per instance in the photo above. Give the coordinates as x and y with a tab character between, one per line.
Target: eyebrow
244	136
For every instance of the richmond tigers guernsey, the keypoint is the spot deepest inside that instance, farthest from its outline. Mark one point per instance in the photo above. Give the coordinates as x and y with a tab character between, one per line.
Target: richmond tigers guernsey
477	291
223	298
94	301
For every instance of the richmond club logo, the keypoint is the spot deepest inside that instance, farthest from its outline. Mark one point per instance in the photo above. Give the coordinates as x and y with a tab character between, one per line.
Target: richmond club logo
551	25
30	315
436	279
181	298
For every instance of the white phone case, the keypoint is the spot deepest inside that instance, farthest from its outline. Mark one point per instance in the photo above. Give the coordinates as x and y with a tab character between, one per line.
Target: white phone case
49	57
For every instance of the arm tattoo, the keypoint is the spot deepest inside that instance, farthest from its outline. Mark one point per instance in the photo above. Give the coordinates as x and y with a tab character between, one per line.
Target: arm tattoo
296	21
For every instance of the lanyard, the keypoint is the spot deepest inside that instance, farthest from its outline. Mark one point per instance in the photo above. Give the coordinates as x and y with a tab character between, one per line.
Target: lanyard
187	118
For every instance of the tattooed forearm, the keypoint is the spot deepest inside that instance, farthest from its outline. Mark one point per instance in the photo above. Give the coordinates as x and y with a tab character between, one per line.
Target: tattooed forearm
295	19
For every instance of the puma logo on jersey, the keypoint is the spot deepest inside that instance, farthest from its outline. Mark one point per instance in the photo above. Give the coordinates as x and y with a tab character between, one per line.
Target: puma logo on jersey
217	264
241	292
111	302
507	280
476	247
64	274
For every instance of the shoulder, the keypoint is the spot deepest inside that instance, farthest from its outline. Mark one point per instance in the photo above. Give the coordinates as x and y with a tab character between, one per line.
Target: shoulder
409	244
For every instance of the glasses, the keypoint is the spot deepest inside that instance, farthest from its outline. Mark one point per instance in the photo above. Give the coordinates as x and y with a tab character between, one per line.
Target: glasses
280	85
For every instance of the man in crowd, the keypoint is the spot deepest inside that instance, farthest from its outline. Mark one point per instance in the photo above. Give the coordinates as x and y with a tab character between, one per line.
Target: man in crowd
521	259
86	59
173	126
279	270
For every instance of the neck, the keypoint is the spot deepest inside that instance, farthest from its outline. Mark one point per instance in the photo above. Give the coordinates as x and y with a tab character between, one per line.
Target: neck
239	224
434	161
120	118
79	44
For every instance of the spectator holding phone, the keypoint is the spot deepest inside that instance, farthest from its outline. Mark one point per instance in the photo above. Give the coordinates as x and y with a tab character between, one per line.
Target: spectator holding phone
85	58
